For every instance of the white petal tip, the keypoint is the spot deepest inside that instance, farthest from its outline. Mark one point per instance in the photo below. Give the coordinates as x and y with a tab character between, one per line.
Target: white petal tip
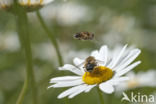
107	88
139	51
108	92
49	87
126	45
60	68
59	97
139	62
51	81
54	86
70	97
104	46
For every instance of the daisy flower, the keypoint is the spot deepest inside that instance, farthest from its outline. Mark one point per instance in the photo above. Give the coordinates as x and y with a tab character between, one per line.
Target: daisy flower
141	79
30	5
109	71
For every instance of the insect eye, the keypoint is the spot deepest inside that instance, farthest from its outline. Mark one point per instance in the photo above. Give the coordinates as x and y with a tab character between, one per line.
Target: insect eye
90	66
76	35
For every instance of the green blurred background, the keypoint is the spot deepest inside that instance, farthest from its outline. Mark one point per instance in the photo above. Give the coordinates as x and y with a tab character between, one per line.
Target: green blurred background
112	21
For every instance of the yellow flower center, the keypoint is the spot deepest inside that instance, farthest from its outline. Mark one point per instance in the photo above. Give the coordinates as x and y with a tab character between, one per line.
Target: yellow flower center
98	75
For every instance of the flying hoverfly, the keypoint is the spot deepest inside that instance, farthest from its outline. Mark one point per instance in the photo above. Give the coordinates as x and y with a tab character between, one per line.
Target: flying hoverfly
84	36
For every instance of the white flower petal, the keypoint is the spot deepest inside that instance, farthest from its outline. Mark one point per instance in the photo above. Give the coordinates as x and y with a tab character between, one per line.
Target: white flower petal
78	61
95	53
117	80
127	60
64	78
69	91
79	64
89	88
80	90
130	67
72	69
103	54
117	58
99	56
68	83
106	87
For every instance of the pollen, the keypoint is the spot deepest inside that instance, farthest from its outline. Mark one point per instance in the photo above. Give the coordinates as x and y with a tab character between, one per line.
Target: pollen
98	75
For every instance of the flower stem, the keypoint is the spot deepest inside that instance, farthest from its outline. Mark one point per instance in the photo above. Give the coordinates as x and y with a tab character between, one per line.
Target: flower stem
22	25
52	38
100	95
23	92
